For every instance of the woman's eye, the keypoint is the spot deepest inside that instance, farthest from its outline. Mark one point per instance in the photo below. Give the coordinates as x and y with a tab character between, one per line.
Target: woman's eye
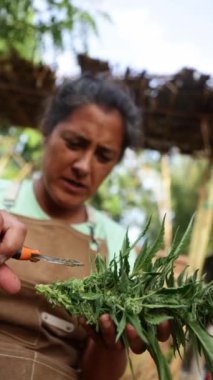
104	158
72	144
104	155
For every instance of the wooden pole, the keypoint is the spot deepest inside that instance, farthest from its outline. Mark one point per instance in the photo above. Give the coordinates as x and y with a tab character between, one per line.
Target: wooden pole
165	206
202	225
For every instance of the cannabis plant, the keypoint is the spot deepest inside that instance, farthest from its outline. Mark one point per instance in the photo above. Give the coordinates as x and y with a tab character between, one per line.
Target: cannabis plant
144	296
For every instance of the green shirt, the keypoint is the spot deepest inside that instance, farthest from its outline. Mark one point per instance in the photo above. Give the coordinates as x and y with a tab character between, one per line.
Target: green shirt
26	204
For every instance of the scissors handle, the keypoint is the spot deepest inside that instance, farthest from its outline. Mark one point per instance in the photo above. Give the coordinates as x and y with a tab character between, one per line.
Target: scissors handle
22	254
25	253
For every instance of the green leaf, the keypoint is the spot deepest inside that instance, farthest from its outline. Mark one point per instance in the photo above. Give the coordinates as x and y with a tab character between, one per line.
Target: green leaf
148	255
138	265
121	327
157	319
142	234
156	353
136	323
206	342
125	249
100	263
178	247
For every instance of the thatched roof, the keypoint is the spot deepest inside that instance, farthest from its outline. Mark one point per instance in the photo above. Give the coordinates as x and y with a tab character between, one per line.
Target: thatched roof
23	88
177	109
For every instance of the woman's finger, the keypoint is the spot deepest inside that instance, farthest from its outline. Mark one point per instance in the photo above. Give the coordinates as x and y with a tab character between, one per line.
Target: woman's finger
12	233
164	331
9	282
135	342
107	329
88	328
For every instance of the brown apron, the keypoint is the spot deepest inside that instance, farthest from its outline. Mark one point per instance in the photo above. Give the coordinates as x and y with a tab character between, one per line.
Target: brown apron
37	341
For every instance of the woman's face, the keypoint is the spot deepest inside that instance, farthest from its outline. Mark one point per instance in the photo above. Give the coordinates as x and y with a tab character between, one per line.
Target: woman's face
79	154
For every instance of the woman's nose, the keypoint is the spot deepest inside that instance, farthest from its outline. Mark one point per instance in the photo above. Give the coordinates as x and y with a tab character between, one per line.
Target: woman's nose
82	165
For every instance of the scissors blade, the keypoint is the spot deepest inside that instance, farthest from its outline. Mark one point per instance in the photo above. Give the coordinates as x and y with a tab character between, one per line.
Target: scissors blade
55	260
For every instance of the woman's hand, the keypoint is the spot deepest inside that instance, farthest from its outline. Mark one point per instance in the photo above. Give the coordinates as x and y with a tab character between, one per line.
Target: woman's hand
12	235
135	342
104	357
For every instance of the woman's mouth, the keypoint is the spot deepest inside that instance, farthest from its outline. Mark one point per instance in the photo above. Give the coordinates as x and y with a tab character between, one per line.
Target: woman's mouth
74	186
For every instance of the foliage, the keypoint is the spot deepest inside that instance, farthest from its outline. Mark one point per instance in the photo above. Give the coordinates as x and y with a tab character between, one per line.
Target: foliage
128	194
143	297
134	190
187	176
21	145
28	26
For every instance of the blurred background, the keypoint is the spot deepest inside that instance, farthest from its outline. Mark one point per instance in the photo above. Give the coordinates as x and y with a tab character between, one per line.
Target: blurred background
162	51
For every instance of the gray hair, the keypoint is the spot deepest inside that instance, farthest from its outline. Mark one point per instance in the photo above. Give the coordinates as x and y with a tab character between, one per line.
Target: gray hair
103	92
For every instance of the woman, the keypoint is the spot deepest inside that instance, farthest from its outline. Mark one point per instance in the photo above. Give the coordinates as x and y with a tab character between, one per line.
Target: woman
87	126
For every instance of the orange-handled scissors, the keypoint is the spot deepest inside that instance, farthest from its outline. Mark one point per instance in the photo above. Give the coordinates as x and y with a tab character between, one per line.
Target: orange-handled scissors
35	255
